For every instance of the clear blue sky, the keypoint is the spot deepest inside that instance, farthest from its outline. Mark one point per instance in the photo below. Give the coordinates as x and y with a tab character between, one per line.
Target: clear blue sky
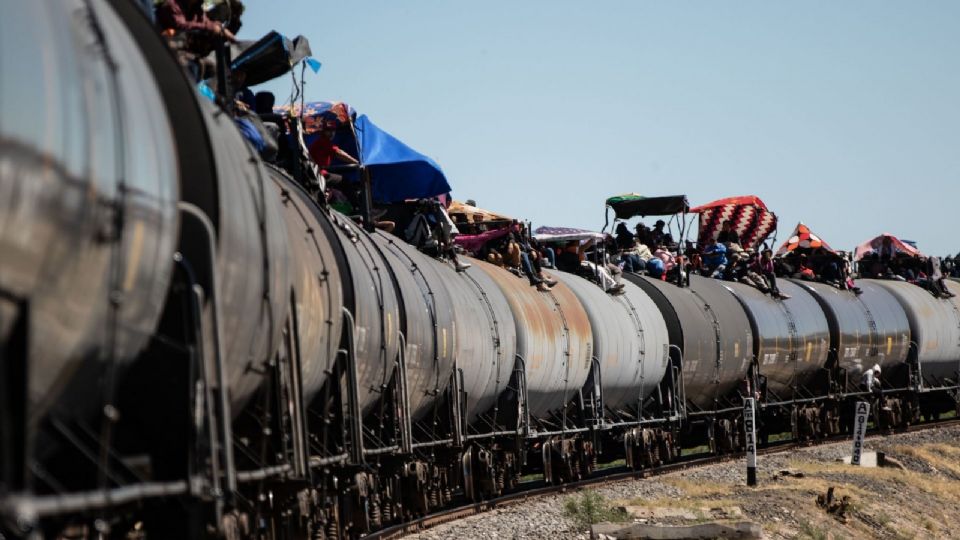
843	115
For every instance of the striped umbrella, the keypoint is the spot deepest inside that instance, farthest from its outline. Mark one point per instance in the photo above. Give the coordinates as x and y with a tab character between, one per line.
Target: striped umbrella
750	218
803	238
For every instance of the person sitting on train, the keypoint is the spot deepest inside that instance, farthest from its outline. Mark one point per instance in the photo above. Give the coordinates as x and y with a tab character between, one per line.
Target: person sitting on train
668	258
253	128
750	274
735	257
680	273
531	254
898	269
870	267
627	246
546	254
714	259
605	258
572	259
431	230
192	34
480	242
766	268
323	151
694	262
804	271
830	271
492	255
935	281
635	258
643	251
624	237
728	235
642	233
518	260
736	266
846	274
569	257
948	267
263	103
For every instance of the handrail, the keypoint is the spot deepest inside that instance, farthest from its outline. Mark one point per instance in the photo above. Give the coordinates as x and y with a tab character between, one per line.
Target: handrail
406	422
680	384
353	387
214	297
523	410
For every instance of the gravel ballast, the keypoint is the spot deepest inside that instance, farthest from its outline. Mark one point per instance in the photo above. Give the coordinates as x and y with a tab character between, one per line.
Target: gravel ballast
884	502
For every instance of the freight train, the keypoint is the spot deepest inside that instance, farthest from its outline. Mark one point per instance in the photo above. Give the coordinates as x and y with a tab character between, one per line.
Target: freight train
191	345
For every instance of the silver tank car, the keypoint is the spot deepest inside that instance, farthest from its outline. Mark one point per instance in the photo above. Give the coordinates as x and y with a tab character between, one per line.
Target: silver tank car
370	296
934	326
629	339
711	329
554	339
428	321
866	329
252	258
486	337
88	194
791	337
315	292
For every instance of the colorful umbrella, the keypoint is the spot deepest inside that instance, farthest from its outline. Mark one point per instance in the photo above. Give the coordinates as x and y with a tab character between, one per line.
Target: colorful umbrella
874	244
803	238
750	217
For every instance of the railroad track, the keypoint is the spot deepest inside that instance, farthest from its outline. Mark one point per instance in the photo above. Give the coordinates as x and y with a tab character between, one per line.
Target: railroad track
617	474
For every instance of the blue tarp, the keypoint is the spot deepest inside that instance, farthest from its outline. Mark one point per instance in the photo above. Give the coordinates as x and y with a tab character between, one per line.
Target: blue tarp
398	172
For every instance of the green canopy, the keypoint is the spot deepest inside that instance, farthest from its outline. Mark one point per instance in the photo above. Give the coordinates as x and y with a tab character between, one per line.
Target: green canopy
631	204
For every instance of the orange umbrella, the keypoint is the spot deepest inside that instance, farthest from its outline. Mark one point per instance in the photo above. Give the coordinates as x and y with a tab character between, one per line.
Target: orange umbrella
803	237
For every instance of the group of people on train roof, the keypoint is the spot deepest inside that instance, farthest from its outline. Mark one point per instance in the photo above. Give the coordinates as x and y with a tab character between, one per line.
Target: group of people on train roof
887	257
193	33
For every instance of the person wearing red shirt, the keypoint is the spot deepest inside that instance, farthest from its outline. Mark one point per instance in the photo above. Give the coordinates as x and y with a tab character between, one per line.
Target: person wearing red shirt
323	152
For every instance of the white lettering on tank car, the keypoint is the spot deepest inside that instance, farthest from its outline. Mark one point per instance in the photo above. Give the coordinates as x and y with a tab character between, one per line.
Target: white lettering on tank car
360	341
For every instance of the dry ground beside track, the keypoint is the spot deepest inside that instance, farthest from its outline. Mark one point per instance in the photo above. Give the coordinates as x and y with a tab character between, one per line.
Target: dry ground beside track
920	501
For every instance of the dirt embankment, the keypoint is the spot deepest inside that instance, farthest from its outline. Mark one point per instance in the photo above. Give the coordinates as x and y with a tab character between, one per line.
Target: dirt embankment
918	497
920	500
